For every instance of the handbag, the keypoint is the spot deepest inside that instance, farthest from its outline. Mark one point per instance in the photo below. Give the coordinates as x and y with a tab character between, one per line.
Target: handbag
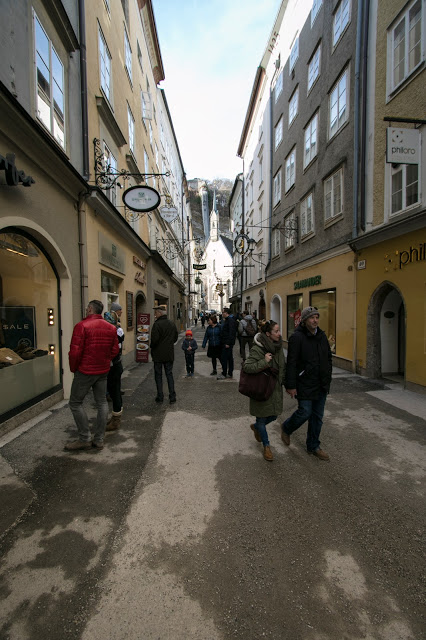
258	386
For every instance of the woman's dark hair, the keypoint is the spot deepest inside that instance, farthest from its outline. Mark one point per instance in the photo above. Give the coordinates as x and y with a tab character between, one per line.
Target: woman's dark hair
266	326
213	318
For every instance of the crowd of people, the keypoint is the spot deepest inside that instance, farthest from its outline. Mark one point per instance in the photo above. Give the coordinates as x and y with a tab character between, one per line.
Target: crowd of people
95	359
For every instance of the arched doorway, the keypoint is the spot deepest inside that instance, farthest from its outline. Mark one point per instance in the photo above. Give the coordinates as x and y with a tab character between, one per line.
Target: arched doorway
276	310
386	336
262	309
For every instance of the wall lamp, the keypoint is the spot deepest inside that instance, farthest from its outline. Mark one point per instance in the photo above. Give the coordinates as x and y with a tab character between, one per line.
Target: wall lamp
50	317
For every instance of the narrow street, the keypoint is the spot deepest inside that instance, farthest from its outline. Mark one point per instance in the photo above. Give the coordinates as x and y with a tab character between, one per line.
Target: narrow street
180	530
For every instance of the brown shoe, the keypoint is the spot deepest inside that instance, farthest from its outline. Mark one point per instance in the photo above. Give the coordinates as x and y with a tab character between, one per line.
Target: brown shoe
77	445
256	433
267	454
285	438
97	445
319	453
114	423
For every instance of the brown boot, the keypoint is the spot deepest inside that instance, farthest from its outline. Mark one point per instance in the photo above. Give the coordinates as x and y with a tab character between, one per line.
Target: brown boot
322	455
77	445
256	433
114	423
267	454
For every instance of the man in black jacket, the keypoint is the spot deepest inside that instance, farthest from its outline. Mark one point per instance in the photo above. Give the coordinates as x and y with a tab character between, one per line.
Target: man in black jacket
308	378
228	336
163	337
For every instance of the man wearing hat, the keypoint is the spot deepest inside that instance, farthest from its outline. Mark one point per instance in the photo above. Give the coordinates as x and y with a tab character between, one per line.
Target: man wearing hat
308	378
163	337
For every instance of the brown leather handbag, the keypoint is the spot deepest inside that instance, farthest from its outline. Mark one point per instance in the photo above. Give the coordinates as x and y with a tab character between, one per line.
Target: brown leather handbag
258	386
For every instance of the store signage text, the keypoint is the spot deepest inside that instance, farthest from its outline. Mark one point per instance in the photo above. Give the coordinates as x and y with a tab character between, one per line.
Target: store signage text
13	175
402	146
139	277
199	267
412	255
139	262
307	282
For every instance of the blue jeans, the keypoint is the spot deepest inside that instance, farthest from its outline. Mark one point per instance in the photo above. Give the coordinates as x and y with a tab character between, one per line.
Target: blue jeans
158	375
227	360
260	425
80	387
313	412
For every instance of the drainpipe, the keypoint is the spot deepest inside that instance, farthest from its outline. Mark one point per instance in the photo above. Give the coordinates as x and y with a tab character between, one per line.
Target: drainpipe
364	112
82	250
83	85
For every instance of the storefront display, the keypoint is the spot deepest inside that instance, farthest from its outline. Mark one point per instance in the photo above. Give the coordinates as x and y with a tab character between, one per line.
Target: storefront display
325	302
294	310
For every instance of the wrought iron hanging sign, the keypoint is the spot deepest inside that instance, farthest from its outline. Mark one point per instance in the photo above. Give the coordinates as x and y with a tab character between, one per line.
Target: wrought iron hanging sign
168	213
141	198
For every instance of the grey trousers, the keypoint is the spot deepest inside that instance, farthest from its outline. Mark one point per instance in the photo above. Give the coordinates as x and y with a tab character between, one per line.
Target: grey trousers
81	386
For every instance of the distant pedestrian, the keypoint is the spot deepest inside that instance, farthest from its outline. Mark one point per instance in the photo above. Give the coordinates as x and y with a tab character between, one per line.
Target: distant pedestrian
267	351
213	338
116	370
93	345
247	329
164	335
189	345
228	337
308	379
203	319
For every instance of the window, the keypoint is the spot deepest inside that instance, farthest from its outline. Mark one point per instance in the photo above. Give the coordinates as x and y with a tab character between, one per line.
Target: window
276	243
294	311
277	188
278	133
105	63
279	86
333	195
157	156
311	139
314	66
407	43
293	106
146	164
290	169
294	54
316	6
339	104
325	302
131	124
341	19
405	186
110	163
290	231
127	55
50	85
139	55
260	169
107	6
151	139
307	215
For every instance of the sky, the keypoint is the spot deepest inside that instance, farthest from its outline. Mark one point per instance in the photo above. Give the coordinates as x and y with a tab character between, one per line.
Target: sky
211	50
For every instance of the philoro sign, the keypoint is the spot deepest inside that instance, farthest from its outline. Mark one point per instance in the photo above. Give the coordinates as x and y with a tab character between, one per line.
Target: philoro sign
402	146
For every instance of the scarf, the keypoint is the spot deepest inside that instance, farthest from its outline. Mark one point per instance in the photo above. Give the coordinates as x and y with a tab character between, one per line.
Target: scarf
269	345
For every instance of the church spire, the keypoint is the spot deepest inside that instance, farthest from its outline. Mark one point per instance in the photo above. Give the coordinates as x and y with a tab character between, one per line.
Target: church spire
214	221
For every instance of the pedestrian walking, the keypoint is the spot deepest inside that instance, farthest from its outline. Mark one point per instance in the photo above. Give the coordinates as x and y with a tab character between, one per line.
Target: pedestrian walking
164	335
266	352
247	329
308	379
212	336
203	319
116	370
228	337
189	345
93	345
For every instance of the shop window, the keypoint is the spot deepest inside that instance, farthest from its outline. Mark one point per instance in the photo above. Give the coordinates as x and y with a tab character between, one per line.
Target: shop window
294	309
325	302
29	330
110	286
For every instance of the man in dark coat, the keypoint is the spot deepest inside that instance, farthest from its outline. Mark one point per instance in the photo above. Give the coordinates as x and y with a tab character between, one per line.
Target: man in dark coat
308	378
228	336
163	337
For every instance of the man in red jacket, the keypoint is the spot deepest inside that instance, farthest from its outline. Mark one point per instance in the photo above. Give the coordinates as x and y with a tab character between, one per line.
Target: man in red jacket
93	345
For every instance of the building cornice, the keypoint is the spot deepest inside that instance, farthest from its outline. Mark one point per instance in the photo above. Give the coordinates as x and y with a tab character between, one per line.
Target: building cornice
388	231
151	35
311	262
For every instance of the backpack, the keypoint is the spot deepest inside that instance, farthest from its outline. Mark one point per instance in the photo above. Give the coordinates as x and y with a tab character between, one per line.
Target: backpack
249	328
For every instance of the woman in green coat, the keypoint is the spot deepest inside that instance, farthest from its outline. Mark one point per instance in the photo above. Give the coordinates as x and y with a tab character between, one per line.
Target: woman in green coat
267	351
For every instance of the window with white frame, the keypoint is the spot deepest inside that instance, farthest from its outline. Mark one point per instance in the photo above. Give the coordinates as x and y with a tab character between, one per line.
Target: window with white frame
290	169
307	215
151	138
131	126
333	195
314	66
276	243
261	169
311	141
405	190
107	5
105	66
146	164
50	84
140	59
339	104
157	156
127	55
293	106
251	196
290	231
341	19
279	86
407	51
278	133
316	6
110	162
294	54
277	188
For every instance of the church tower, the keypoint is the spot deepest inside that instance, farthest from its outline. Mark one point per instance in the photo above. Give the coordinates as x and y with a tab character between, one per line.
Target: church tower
214	221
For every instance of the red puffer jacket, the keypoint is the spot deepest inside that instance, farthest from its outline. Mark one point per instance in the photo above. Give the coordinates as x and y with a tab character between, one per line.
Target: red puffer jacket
93	345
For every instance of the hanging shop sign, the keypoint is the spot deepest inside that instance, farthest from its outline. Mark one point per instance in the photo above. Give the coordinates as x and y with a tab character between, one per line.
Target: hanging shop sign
168	213
13	175
199	267
141	198
402	146
307	282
